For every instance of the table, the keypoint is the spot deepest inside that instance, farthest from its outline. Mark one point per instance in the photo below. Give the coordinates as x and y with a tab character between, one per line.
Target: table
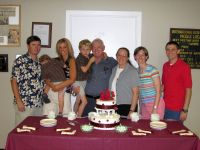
46	138
198	145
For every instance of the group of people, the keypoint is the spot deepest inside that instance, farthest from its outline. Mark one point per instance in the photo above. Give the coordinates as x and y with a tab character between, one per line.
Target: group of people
45	84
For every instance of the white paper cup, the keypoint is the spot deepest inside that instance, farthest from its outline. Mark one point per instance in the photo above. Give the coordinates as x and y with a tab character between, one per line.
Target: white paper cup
134	116
155	117
71	116
90	114
51	115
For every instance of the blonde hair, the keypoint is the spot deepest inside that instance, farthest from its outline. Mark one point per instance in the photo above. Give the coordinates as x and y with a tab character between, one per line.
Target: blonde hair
85	42
44	57
68	45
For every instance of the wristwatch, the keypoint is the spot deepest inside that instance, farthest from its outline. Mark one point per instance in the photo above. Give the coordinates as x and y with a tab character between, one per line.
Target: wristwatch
155	107
184	110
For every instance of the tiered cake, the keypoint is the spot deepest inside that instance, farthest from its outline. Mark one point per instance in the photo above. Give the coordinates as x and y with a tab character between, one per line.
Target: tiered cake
105	117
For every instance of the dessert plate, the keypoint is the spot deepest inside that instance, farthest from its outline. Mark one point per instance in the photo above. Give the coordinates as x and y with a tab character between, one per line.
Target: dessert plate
48	122
158	125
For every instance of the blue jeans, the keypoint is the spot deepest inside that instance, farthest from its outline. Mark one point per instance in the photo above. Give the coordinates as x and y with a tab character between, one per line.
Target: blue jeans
172	115
90	106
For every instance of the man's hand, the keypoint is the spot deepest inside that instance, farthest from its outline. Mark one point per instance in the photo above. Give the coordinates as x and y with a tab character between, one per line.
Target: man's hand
20	105
76	90
183	116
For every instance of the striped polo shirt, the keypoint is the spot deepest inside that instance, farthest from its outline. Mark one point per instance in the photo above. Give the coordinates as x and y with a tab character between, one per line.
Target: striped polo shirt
146	85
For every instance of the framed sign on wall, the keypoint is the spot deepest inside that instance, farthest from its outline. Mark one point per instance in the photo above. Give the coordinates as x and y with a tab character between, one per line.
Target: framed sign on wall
10	34
189	41
43	30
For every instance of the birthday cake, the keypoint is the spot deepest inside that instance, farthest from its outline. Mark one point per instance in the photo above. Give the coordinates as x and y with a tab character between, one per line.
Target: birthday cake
105	117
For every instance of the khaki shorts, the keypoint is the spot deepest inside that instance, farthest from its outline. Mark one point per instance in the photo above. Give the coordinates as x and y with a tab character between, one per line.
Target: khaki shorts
53	105
20	116
82	85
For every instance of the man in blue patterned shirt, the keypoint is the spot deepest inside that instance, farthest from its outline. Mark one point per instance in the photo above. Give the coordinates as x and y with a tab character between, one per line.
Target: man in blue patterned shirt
26	82
99	76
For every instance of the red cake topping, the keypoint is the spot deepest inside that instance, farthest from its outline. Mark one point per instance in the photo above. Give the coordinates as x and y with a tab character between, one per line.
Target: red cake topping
107	95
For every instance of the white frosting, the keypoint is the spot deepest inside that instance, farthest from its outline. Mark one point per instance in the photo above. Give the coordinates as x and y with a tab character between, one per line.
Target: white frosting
104	118
106	102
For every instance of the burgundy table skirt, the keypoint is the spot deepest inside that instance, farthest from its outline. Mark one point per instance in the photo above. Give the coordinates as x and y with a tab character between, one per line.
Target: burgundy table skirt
198	145
46	138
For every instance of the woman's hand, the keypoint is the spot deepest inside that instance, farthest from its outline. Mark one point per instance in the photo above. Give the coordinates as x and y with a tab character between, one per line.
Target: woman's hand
57	87
129	115
54	87
154	111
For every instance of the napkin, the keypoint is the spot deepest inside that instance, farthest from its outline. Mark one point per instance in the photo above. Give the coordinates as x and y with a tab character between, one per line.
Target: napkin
69	133
178	131
23	130
28	127
138	134
183	132
144	131
189	133
63	129
71	123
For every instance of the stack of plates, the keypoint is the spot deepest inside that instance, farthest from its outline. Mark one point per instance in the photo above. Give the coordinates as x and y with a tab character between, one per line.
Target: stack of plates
48	122
158	125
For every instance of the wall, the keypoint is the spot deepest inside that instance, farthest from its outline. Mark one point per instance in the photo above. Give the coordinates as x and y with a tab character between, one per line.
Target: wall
157	17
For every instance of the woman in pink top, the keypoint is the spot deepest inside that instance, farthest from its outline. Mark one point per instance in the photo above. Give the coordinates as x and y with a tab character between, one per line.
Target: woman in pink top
149	86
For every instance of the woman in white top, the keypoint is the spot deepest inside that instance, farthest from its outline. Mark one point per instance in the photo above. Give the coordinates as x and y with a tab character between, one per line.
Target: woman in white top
124	83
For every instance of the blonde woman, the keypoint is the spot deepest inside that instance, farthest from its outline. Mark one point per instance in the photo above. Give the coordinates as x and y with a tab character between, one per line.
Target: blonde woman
66	55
